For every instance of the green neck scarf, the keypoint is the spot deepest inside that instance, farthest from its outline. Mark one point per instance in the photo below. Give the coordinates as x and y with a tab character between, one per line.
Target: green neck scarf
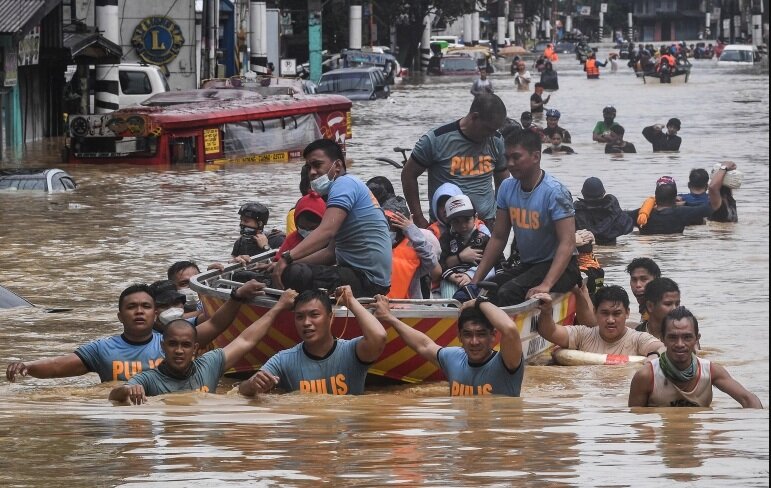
676	375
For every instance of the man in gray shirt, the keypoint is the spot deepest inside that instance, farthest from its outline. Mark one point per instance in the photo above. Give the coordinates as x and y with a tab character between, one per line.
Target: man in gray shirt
322	363
180	372
468	152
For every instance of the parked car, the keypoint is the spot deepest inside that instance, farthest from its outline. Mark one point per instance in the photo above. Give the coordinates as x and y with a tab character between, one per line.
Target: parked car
744	54
453	64
355	83
48	180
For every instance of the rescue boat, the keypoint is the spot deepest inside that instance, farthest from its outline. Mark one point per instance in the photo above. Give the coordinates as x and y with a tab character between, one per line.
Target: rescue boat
437	318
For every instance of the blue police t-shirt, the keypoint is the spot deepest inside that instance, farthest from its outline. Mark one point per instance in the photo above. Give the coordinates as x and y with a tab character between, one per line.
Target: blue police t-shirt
362	242
490	378
116	359
207	371
451	157
534	215
340	373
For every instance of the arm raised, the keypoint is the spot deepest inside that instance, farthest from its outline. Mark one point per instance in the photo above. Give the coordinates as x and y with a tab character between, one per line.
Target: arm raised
547	327
249	338
416	340
224	316
371	346
511	344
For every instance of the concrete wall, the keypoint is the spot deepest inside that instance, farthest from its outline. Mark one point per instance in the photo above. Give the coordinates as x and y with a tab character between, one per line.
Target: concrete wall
182	69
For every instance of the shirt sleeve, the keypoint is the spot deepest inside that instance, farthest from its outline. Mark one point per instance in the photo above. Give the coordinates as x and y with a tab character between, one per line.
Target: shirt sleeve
500	154
647	344
343	194
575	336
561	205
500	199
215	360
144	380
274	365
597	128
441	357
695	211
89	354
423	152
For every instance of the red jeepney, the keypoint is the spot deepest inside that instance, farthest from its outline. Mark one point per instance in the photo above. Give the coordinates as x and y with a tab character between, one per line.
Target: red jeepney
209	126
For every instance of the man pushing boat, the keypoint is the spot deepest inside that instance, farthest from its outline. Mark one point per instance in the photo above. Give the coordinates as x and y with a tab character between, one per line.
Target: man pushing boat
322	363
475	368
181	371
138	348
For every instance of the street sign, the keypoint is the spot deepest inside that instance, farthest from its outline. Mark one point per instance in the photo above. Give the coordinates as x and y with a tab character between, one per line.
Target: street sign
604	8
288	67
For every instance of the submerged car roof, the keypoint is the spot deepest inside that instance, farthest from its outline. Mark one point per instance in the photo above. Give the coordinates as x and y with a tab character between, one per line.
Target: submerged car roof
366	69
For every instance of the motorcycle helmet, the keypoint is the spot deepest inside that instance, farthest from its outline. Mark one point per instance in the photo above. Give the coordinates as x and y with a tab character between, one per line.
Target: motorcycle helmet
255	211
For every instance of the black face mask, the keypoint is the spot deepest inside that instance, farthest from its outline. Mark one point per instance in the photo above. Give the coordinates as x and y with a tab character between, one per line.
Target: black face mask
248	231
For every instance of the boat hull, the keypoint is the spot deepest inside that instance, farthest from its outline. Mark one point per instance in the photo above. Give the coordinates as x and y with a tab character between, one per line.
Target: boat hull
398	361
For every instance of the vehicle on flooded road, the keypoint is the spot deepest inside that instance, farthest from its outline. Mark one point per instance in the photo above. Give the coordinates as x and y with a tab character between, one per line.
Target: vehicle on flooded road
355	83
47	180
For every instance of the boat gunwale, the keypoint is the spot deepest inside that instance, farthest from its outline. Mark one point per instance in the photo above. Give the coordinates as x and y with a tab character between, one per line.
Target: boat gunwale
428	308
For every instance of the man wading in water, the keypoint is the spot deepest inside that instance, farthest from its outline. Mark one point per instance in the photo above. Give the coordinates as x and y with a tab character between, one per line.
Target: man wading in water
681	379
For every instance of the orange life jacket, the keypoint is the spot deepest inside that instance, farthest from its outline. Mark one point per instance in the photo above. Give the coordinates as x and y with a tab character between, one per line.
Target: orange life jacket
435	229
405	263
591	68
669	59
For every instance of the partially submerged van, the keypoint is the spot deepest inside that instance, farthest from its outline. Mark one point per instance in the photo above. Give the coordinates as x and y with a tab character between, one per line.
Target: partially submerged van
741	54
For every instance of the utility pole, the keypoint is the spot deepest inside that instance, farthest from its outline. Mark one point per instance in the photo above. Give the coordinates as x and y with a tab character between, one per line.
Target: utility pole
314	39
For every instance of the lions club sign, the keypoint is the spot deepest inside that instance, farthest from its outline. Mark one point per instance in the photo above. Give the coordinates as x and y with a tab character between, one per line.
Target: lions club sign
157	40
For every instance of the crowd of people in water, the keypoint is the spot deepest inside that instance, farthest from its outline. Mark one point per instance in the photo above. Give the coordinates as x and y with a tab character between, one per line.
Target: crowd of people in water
487	194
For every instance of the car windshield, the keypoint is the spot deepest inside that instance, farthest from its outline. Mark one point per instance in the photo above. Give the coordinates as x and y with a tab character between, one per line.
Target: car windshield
459	64
738	56
344	82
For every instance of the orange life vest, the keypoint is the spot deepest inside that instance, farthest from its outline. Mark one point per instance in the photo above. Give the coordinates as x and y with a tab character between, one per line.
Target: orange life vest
405	263
669	59
435	229
591	68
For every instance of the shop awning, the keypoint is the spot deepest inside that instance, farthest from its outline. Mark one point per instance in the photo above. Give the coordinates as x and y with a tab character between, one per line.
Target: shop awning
91	48
18	17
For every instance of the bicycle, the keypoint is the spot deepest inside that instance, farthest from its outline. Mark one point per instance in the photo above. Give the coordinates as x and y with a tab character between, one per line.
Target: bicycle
398	165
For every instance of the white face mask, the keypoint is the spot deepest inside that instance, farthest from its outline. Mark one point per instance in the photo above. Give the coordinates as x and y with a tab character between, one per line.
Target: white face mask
322	184
170	314
556	146
303	232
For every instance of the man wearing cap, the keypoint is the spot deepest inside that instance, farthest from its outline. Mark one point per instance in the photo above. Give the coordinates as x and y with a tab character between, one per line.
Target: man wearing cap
601	214
467	152
662	141
413	255
540	211
601	131
552	126
138	348
667	217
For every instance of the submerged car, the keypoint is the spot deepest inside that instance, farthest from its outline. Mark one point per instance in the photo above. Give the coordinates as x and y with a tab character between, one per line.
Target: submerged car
48	180
454	65
355	83
742	54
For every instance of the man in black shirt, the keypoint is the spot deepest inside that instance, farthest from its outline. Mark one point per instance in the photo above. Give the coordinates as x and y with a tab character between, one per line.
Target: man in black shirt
662	141
617	144
536	102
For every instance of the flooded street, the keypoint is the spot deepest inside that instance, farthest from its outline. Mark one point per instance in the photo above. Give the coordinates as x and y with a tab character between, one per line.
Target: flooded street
570	428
